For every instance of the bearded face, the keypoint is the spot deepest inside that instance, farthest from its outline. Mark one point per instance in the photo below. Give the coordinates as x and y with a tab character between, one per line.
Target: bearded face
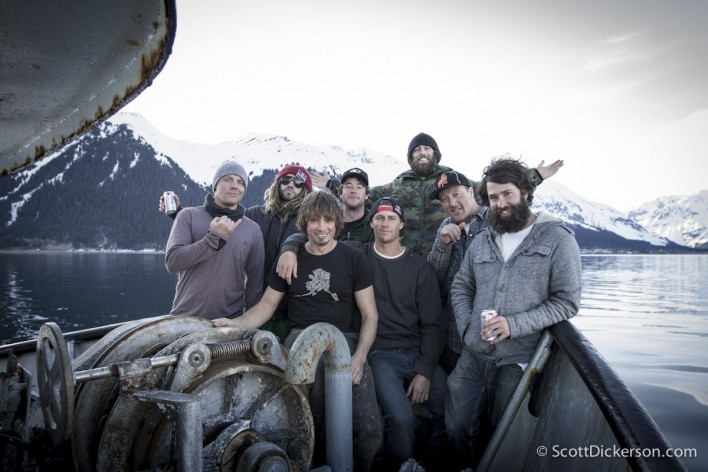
511	218
423	160
423	169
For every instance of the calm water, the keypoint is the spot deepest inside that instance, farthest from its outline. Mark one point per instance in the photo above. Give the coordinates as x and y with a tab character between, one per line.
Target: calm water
80	290
647	315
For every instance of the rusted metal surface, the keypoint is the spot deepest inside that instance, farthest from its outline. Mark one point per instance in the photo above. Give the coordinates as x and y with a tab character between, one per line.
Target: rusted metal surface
56	382
92	398
241	403
67	65
323	339
577	401
580	402
310	345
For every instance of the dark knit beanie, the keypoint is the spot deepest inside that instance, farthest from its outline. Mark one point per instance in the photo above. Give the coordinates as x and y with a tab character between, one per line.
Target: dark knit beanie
422	139
229	167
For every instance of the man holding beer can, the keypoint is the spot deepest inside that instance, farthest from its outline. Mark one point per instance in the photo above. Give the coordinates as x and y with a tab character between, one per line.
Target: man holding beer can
215	248
169	200
525	271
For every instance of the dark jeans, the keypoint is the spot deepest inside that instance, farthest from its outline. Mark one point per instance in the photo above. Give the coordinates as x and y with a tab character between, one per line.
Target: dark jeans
478	393
393	371
367	424
448	359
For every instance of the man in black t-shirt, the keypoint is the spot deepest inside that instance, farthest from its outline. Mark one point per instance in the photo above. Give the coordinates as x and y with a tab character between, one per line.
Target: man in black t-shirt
335	286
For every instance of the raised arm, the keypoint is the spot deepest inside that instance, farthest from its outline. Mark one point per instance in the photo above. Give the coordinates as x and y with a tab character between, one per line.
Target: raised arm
162	206
320	180
182	252
549	170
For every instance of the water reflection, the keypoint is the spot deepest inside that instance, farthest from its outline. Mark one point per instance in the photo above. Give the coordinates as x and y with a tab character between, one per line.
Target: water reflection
16	302
80	290
648	315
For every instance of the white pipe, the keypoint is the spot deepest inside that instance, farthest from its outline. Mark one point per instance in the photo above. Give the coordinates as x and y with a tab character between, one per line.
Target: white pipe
323	339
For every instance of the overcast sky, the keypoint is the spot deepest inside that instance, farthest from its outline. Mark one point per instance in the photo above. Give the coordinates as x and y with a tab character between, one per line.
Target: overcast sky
618	89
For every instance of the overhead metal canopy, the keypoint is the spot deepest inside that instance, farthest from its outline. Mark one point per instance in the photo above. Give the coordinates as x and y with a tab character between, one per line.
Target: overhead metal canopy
67	65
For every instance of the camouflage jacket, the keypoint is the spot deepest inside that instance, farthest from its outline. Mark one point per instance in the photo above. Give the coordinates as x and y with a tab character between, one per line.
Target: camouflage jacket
423	216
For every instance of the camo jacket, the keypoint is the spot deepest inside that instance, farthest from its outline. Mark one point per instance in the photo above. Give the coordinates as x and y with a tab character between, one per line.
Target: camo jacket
423	216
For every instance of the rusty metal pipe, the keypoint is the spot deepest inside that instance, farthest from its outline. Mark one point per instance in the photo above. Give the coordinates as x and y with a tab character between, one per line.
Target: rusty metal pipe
317	340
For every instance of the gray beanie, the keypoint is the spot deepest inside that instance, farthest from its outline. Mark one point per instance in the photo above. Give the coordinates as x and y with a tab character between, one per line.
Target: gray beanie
226	168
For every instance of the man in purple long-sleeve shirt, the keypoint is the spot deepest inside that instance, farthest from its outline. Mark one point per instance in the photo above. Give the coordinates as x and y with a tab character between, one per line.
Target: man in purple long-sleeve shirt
217	251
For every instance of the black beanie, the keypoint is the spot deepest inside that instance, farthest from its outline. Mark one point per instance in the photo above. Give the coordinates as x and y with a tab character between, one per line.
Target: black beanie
422	139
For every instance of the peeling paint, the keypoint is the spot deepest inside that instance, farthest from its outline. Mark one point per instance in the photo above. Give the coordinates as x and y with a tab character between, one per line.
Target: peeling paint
135	61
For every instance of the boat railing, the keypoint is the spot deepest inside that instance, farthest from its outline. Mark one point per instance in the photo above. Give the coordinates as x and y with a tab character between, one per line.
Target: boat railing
572	411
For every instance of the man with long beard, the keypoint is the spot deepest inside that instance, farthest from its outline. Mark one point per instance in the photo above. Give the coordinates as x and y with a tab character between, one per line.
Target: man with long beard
525	266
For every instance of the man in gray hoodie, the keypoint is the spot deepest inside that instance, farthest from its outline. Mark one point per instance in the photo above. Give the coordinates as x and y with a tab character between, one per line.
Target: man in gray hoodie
525	266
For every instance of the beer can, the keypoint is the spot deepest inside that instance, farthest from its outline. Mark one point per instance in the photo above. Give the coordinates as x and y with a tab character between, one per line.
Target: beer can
485	316
170	204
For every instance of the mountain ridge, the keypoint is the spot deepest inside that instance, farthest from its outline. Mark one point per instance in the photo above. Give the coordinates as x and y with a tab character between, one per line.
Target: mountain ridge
101	192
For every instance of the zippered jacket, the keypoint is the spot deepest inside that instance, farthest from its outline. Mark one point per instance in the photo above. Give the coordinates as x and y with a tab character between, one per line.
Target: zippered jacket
537	287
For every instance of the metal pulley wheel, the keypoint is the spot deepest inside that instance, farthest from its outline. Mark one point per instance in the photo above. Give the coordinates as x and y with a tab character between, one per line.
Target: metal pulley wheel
55	380
94	399
243	403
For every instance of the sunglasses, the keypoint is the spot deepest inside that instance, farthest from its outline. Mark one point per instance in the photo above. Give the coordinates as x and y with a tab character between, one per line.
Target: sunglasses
288	179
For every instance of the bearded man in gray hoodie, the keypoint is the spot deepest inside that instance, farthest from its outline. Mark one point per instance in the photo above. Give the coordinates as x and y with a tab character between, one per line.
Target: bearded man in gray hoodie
525	266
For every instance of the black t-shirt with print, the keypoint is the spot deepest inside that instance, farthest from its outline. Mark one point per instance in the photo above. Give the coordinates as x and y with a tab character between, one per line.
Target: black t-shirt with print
324	288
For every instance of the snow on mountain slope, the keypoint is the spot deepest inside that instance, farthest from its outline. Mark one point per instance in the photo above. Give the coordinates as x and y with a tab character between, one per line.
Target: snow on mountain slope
559	200
681	219
262	151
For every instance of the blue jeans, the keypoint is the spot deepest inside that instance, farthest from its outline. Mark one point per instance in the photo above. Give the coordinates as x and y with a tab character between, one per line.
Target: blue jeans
478	393
393	373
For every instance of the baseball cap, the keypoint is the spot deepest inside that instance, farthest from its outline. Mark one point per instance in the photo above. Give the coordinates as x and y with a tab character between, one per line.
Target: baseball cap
447	180
356	172
387	204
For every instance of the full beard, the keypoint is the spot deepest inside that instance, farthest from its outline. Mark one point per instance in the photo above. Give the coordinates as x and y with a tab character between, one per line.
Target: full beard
425	169
514	222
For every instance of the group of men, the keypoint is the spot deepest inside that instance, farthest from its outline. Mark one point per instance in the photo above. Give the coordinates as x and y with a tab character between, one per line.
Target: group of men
408	302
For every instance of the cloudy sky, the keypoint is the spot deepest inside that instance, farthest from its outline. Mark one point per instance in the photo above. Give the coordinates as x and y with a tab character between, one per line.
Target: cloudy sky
618	89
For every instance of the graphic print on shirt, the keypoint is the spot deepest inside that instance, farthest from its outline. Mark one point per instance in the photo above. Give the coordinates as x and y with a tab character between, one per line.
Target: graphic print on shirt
319	282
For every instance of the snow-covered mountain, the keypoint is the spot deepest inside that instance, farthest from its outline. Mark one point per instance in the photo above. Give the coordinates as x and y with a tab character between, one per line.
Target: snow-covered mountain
681	219
101	191
257	152
559	200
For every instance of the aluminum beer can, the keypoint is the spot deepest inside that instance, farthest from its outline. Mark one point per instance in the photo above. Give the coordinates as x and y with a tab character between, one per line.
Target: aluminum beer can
170	204
485	316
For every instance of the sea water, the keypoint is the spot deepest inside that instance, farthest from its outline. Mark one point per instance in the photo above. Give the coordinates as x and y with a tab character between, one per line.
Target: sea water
646	314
